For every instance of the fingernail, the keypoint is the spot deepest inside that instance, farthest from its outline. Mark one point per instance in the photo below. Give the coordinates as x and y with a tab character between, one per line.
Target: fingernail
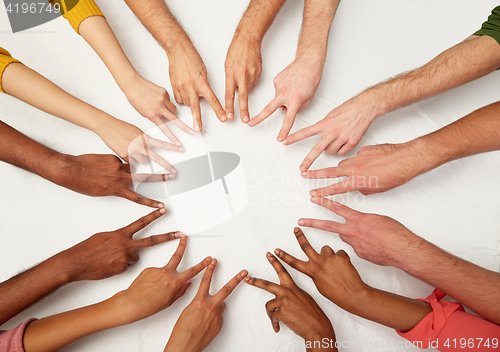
312	193
303	168
192	132
246	119
247	278
251	123
280	138
181	149
178	143
230	116
178	235
223	118
296	230
269	255
278	252
171	176
183	234
197	129
303	174
314	199
163	211
214	261
301	222
174	170
160	205
285	141
243	273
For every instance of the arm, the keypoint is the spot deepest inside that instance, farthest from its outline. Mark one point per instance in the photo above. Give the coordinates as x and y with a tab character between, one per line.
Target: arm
202	320
296	309
154	290
344	126
94	175
126	140
384	241
297	84
383	167
244	60
100	256
188	73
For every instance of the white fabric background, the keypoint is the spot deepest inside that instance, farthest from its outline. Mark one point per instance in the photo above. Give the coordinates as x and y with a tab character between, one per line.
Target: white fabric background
455	206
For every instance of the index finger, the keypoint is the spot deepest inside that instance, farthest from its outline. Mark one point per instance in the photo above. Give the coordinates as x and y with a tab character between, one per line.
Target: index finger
287	123
228	288
314	154
264	114
329	172
157	239
178	254
283	275
209	95
302	134
337	188
335	207
304	243
206	280
142	222
194	103
265	285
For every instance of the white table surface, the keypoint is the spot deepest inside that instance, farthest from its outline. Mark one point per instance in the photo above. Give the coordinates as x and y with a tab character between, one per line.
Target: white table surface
455	206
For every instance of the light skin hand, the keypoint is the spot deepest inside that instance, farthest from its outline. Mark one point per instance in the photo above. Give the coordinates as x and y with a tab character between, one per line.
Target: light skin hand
107	254
337	279
294	307
202	320
295	89
340	131
378	239
157	288
188	75
243	68
374	169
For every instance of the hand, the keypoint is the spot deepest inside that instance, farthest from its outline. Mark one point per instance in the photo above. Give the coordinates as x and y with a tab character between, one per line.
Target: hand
201	321
188	75
153	102
340	131
132	145
157	288
243	68
295	89
293	306
375	169
332	273
99	175
378	239
107	254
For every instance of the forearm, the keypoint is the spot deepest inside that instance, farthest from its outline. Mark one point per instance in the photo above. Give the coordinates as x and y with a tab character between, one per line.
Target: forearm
471	285
27	85
313	41
161	23
58	331
257	19
97	33
394	311
473	58
23	290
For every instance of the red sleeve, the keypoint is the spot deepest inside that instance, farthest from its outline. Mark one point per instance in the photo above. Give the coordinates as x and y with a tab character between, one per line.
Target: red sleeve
12	340
449	328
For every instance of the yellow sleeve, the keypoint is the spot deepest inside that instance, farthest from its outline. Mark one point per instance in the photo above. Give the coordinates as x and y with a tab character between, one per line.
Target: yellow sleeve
5	60
77	13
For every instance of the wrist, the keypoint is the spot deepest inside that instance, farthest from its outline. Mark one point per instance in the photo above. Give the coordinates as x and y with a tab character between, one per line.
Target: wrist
251	35
180	46
325	338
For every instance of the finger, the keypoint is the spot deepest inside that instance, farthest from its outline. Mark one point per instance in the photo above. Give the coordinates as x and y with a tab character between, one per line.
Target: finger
195	270
206	280
169	134
157	239
329	172
229	97
209	95
181	291
225	291
265	285
194	103
264	114
337	188
149	178
142	222
337	208
181	125
327	250
156	143
169	105
346	148
325	225
133	258
178	96
287	123
313	154
283	275
160	161
302	134
295	263
275	321
173	263
304	244
271	307
134	197
243	101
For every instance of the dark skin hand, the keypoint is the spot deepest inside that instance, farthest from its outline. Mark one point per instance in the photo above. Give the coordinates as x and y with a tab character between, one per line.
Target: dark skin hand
93	175
294	307
98	257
